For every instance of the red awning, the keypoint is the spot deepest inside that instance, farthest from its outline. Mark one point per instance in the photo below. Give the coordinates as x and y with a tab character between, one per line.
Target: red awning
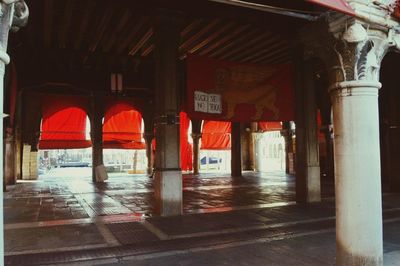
63	124
186	147
269	126
122	128
337	5
216	135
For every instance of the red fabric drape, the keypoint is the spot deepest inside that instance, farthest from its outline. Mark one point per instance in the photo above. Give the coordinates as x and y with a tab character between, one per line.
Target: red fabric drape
216	135
186	147
122	128
337	5
269	126
63	124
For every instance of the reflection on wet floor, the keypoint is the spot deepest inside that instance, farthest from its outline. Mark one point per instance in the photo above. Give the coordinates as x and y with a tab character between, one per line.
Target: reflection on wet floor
56	198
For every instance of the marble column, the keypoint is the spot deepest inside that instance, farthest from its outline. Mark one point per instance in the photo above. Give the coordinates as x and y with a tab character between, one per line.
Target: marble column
354	97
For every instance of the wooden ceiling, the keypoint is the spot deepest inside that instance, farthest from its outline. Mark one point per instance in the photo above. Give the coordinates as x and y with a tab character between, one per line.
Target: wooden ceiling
98	37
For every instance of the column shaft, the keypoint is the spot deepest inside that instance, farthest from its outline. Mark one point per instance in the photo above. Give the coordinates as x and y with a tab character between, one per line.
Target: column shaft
357	173
308	187
99	173
9	159
149	153
168	174
236	150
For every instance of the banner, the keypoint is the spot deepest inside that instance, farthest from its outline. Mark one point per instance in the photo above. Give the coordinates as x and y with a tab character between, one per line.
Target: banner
228	91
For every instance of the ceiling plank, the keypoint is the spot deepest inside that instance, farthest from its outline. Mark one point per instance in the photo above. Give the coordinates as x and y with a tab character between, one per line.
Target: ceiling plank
89	9
48	22
102	26
118	32
66	22
141	42
209	39
142	21
199	34
274	48
224	40
249	34
262	45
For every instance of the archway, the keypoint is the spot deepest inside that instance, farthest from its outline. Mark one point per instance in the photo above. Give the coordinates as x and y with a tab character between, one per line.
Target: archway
123	143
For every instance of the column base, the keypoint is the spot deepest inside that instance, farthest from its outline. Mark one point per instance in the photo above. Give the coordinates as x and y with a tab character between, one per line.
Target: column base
168	192
100	173
344	258
308	185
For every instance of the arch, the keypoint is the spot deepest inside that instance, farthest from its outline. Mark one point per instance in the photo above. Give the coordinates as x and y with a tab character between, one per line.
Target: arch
64	122
123	127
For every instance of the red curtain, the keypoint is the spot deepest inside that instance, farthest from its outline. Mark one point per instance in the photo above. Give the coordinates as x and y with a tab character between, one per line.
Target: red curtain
122	128
186	147
269	126
64	123
216	135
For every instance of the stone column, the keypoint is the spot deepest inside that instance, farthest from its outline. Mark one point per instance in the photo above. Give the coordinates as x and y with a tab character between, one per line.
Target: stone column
236	150
308	187
17	154
168	174
196	152
99	173
9	158
149	152
354	97
357	173
252	159
196	136
288	136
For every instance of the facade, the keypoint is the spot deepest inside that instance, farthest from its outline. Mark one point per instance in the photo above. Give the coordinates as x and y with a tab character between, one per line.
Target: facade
336	49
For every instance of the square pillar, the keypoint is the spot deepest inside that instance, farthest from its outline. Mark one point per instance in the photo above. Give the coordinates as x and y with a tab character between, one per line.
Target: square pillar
99	173
236	150
9	158
168	174
308	180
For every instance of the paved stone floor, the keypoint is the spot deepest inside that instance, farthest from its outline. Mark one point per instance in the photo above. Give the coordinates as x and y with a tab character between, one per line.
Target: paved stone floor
247	221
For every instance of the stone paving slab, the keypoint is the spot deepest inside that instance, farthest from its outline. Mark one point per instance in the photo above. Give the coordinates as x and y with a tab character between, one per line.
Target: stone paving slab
131	233
45	239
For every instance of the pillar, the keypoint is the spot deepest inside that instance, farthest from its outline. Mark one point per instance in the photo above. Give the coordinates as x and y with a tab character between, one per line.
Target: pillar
17	154
354	97
308	187
252	153
99	173
9	158
6	21
149	152
26	157
288	136
168	174
357	173
196	152
196	136
236	150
